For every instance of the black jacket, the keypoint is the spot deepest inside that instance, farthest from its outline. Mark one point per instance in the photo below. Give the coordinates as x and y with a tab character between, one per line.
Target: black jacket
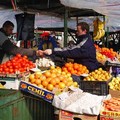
7	47
83	52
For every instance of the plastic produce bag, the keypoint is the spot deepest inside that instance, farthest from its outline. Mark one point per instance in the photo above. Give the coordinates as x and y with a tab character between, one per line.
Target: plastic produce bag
78	101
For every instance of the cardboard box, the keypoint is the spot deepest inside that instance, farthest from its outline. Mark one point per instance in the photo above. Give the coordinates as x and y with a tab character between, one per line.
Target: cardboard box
64	115
40	92
109	115
114	93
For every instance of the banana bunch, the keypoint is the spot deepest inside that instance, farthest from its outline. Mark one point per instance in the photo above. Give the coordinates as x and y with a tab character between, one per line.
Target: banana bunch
98	29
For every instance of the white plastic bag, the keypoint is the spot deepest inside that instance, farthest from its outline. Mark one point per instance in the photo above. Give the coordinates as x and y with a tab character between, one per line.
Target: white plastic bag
78	101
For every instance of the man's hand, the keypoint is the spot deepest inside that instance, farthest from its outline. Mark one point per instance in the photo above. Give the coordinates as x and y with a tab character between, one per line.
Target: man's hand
40	53
48	51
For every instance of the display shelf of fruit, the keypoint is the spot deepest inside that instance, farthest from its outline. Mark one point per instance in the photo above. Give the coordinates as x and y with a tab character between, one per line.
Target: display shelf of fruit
44	63
115	83
16	65
109	53
75	68
98	75
101	58
53	78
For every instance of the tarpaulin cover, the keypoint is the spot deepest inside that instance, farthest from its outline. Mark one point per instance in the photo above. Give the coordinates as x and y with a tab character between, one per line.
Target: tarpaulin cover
109	8
48	21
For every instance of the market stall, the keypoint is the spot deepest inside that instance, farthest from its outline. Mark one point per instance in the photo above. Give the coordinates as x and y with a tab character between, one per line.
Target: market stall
70	87
47	84
31	91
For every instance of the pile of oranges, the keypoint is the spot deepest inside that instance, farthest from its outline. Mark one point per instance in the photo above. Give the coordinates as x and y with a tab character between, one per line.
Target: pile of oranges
106	51
75	68
53	78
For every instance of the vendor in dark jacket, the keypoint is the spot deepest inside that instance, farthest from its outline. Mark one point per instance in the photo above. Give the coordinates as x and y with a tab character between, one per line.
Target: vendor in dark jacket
83	52
7	47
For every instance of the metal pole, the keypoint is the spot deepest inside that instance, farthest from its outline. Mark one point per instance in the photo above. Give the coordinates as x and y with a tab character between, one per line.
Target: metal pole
77	20
65	27
107	36
103	39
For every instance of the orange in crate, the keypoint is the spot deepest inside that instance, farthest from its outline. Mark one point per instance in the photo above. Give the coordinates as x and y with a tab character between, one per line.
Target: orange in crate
75	68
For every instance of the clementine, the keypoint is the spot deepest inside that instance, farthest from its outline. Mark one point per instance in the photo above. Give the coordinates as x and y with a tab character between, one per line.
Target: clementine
37	81
44	83
50	87
53	82
61	85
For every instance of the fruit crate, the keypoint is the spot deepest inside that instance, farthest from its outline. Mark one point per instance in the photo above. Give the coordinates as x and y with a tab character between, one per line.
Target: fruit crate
112	64
95	87
18	76
16	105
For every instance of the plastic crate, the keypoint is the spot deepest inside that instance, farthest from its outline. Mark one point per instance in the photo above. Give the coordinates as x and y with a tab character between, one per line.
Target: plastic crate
115	71
16	105
95	87
112	64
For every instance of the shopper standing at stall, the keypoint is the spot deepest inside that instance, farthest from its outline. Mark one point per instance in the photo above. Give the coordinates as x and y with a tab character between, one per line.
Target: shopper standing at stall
83	52
7	47
47	42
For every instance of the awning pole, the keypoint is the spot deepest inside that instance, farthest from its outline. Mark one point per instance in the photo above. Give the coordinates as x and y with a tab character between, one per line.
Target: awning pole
107	36
103	39
76	21
65	27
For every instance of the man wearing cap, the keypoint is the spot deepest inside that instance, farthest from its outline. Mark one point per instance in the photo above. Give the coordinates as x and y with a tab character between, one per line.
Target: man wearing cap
48	42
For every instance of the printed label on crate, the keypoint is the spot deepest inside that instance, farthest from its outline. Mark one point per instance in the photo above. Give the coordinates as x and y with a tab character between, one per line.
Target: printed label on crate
20	75
110	113
64	115
2	75
104	118
46	95
109	118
